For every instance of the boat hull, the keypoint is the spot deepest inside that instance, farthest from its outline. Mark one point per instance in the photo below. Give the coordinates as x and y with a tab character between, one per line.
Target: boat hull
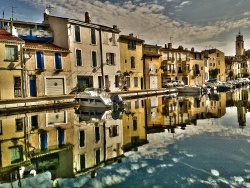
93	102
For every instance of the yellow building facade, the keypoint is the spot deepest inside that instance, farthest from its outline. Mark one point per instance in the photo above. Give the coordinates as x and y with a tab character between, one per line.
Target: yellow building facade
131	62
11	66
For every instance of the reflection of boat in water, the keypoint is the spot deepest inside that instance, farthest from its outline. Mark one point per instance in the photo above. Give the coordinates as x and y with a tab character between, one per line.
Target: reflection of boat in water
224	87
92	97
89	113
189	89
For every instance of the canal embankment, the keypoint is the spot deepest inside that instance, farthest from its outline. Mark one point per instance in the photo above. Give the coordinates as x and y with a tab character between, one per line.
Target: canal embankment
62	101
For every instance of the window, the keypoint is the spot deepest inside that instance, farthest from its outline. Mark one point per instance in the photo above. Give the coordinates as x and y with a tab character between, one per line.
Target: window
77	34
16	154
134	123
17	87
132	59
113	131
110	59
135	81
117	80
82	162
11	53
136	104
43	140
97	133
78	57
93	37
129	105
131	45
39	60
34	122
128	82
19	125
97	156
94	59
61	137
58	61
82	138
1	127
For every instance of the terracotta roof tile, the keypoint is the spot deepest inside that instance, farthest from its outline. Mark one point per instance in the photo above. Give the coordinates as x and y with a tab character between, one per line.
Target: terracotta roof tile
6	36
44	46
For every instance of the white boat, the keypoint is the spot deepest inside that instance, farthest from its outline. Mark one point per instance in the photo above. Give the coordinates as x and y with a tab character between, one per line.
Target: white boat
189	89
92	97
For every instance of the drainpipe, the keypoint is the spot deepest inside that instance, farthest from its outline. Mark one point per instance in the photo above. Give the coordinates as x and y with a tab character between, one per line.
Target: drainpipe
102	72
23	77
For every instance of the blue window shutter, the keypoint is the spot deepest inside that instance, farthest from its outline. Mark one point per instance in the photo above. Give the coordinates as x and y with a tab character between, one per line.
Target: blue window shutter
58	61
40	60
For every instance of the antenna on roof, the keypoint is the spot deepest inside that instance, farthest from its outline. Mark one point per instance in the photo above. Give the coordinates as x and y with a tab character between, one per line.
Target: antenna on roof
12	12
48	9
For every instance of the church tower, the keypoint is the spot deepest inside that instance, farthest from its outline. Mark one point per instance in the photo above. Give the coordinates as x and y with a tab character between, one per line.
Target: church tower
239	45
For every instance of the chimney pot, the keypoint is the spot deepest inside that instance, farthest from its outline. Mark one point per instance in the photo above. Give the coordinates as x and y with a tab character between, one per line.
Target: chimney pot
87	18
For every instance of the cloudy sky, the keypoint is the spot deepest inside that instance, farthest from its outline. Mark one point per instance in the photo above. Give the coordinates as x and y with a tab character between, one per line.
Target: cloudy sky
201	24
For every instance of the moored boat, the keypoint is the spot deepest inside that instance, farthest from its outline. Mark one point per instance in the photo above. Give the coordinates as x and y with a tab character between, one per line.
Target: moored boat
92	97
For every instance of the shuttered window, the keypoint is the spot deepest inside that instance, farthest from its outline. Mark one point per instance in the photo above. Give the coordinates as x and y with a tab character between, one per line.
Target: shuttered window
82	138
97	134
93	37
77	34
78	57
58	61
94	59
39	60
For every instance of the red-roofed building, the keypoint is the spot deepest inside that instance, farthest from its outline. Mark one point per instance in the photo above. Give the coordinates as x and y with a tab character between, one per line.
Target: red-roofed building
11	66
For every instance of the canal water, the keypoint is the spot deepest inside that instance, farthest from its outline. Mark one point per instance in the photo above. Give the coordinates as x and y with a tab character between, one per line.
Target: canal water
160	141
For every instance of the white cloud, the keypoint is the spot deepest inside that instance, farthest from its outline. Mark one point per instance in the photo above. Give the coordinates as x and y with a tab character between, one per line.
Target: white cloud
155	22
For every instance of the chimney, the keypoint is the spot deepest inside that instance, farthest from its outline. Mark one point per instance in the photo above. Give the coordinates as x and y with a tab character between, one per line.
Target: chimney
114	26
169	45
192	49
87	17
165	45
131	34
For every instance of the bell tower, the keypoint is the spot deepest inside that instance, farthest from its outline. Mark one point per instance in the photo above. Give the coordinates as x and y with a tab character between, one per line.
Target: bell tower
239	45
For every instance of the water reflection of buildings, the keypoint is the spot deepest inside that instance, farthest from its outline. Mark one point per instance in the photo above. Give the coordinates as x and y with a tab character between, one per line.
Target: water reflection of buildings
98	139
72	142
133	118
172	112
240	99
39	141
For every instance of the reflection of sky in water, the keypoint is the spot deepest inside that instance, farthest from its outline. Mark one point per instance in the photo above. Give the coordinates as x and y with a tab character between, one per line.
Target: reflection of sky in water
215	153
206	155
